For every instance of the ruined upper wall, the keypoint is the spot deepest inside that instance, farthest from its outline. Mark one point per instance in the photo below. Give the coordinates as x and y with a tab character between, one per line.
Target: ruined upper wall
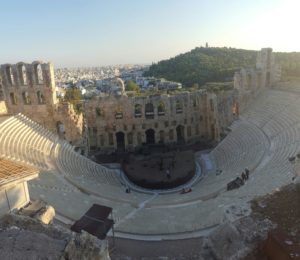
29	88
28	83
265	74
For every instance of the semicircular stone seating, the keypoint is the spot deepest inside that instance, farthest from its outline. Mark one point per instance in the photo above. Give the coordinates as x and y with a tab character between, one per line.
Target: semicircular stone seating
27	142
267	134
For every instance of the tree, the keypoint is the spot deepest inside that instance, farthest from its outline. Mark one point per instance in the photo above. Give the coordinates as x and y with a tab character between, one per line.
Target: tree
131	86
73	96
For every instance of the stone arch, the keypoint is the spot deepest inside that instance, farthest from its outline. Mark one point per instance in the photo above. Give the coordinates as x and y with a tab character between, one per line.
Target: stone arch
161	110
40	97
38	73
180	133
9	75
13	98
179	107
120	138
26	98
22	74
150	136
137	110
98	111
149	111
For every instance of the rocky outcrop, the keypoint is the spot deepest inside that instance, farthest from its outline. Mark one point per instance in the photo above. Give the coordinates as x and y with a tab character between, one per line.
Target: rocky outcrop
84	247
235	240
22	237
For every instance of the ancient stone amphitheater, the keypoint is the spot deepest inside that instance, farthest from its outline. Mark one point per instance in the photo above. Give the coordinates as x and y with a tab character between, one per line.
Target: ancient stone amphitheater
262	139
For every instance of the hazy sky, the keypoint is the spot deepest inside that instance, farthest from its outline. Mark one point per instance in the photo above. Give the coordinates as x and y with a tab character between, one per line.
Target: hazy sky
97	32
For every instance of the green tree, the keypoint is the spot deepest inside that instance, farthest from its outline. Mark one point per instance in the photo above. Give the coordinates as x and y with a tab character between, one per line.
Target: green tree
132	86
73	96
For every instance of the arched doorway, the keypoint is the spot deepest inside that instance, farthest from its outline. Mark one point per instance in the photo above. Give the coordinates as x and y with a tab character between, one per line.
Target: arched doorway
150	136
60	128
120	137
180	133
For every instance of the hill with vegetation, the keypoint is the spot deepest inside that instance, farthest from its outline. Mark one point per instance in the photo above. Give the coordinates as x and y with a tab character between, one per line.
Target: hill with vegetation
202	65
290	64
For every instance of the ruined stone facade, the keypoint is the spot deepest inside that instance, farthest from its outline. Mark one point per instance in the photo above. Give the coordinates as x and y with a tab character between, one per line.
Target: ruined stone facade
250	81
128	122
30	89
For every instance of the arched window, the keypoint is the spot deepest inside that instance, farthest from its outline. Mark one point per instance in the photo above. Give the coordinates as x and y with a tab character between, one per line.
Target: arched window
149	111
179	107
98	111
161	109
119	113
40	97
26	98
137	110
10	76
38	74
13	98
22	74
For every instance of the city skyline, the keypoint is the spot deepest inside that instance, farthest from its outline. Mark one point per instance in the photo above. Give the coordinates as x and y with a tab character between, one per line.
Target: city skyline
82	33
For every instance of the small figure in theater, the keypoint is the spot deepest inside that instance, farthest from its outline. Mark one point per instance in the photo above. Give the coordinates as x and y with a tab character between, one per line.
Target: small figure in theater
247	173
168	174
244	176
186	190
128	190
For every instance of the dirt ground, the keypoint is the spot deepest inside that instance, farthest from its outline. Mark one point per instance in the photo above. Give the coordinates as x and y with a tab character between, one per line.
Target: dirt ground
282	208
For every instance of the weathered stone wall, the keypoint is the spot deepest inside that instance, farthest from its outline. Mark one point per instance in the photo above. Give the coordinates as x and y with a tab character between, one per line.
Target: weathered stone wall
30	89
250	82
30	239
127	122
